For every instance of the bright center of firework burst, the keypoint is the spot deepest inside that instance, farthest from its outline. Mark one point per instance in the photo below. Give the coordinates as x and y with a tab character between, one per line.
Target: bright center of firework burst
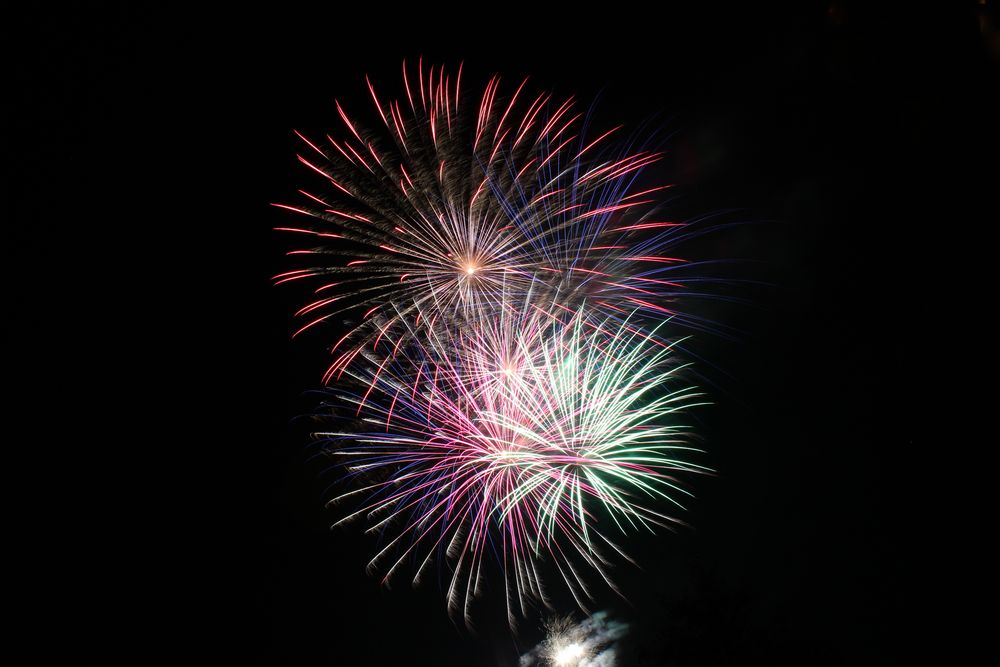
568	655
511	454
470	268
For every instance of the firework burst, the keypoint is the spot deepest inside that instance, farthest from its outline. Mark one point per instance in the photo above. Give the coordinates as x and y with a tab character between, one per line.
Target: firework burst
512	368
522	440
462	202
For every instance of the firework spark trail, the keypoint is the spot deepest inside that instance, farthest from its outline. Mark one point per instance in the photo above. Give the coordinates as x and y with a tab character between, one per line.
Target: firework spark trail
514	381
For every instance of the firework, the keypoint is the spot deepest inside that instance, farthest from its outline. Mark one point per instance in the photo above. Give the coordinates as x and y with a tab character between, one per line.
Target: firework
511	362
456	200
592	642
518	434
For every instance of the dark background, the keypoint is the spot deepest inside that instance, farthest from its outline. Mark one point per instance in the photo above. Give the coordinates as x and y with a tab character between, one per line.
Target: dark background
148	145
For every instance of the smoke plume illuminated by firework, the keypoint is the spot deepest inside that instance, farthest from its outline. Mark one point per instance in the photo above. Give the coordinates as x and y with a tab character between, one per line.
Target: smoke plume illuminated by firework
591	643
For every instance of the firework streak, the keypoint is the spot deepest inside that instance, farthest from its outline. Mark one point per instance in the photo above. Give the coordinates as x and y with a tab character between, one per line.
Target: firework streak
513	380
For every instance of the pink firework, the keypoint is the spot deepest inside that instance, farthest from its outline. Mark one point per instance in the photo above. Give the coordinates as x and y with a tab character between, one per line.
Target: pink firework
509	437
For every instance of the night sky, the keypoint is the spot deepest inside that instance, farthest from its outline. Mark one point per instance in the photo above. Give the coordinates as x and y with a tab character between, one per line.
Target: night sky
840	136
